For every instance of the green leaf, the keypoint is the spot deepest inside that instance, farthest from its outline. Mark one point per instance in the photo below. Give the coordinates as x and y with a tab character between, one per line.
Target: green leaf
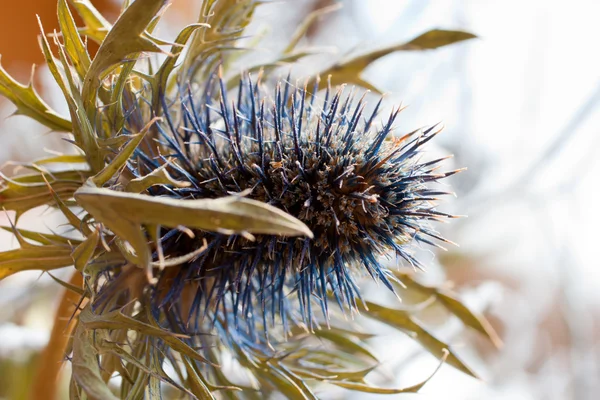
126	213
402	320
29	103
349	72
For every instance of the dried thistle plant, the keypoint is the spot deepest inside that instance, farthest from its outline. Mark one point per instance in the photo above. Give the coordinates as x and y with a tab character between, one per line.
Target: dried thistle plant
222	214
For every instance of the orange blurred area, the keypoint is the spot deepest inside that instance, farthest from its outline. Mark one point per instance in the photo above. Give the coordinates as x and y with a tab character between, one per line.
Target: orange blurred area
19	31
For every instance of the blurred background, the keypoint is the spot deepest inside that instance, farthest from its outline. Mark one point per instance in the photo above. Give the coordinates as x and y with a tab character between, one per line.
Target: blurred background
521	109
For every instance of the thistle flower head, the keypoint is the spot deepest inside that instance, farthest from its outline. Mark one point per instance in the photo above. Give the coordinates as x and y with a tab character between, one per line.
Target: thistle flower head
321	159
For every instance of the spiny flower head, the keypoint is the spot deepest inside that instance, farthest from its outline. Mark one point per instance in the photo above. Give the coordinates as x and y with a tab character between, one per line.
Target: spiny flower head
362	193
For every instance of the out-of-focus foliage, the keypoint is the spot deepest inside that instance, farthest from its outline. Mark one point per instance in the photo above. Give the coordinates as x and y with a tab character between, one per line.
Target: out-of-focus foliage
118	223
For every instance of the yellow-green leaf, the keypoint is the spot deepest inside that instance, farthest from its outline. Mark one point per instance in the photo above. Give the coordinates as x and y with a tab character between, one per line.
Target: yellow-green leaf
436	38
68	175
22	196
43	238
85	251
68	286
359	387
121	159
81	127
160	80
74	46
226	20
29	103
126	37
70	158
43	258
96	25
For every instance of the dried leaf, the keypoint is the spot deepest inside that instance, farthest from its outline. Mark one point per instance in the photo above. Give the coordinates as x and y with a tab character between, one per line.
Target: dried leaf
402	320
196	383
455	306
126	213
345	341
349	72
158	176
307	23
86	371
